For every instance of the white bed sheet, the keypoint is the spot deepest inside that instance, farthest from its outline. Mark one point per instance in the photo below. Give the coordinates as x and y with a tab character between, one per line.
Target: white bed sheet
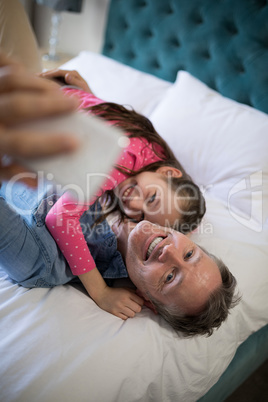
56	344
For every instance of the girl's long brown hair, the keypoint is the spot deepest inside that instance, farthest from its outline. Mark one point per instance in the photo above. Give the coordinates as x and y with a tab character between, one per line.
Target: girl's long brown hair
137	125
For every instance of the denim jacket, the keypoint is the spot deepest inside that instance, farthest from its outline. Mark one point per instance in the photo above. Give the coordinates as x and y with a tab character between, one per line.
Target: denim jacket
100	238
28	252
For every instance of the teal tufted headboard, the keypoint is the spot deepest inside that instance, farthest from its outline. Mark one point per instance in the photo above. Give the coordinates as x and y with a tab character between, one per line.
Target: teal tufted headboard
224	43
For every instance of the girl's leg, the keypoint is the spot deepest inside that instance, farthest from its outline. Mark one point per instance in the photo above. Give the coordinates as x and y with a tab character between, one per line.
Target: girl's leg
19	252
28	253
17	38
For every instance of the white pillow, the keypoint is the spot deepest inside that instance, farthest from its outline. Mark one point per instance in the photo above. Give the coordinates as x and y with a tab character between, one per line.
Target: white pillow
216	139
115	82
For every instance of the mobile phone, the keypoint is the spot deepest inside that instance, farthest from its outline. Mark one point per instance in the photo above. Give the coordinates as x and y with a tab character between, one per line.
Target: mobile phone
83	171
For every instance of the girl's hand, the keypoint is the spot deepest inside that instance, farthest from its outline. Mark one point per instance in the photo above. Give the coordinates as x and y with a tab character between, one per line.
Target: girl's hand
121	302
70	77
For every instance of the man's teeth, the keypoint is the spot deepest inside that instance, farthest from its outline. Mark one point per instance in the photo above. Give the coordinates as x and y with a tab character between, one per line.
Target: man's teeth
153	245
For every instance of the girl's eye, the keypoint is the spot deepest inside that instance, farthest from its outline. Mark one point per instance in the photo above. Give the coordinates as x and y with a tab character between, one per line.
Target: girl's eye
189	255
152	198
141	218
134	220
170	277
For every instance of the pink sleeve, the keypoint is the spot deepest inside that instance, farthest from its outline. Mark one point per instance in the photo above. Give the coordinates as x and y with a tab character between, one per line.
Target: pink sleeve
63	224
86	99
63	219
140	153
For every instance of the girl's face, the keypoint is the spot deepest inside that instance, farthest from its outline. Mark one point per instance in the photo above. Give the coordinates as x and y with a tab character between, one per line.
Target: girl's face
149	196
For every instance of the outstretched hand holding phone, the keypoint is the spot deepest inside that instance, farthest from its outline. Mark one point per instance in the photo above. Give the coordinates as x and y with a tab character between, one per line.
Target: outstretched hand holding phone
25	97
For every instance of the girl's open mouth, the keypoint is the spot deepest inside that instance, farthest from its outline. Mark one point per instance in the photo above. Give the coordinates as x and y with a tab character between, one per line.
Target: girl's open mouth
127	194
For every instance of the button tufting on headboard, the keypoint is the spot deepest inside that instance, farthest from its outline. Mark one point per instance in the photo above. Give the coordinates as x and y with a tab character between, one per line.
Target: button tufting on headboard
140	3
197	17
223	43
148	33
174	42
169	9
262	3
231	27
206	54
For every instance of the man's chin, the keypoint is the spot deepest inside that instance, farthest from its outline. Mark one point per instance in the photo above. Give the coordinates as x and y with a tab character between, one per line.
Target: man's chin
144	226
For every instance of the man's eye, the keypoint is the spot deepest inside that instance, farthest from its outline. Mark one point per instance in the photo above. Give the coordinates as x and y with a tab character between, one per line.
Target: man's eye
188	255
170	277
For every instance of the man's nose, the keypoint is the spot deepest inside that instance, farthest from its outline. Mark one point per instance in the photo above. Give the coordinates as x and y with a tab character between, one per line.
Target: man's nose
168	254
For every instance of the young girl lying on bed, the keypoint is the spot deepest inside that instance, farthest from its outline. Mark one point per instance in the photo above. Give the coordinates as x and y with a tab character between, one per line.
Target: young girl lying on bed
147	183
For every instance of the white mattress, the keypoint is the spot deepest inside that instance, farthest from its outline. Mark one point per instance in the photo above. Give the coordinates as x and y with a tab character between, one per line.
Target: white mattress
56	344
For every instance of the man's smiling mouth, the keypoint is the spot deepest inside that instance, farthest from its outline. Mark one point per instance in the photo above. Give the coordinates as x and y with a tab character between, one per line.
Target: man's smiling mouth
152	245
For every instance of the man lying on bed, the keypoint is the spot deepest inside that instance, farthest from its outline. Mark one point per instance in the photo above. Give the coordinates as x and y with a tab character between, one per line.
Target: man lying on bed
184	284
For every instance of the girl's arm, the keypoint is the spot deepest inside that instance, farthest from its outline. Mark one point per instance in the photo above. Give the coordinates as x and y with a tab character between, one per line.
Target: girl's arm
64	225
121	302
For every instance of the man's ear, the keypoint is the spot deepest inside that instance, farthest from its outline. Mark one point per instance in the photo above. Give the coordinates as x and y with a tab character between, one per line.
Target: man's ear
169	171
147	302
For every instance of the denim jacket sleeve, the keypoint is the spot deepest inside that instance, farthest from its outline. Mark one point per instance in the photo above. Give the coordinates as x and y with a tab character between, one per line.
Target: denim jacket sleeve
102	243
100	238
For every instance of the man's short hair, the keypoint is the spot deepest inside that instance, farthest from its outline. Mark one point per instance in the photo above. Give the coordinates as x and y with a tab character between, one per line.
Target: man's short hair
215	312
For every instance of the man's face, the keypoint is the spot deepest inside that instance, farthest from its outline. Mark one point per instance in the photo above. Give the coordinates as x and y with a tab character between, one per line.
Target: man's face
173	269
